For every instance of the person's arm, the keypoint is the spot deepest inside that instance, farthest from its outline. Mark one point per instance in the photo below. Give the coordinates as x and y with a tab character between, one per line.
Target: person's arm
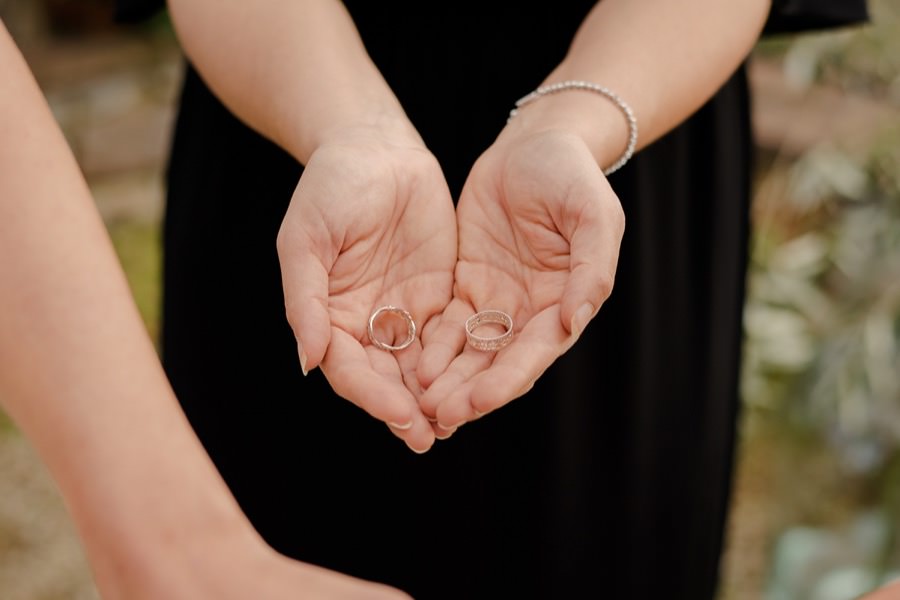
889	591
539	225
297	72
294	70
371	222
80	377
664	59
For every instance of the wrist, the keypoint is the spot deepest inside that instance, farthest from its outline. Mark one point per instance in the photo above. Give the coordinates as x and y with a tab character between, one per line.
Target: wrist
385	128
354	117
147	498
152	561
140	545
601	120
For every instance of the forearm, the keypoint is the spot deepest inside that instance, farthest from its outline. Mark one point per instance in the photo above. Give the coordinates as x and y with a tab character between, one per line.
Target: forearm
78	373
665	59
294	70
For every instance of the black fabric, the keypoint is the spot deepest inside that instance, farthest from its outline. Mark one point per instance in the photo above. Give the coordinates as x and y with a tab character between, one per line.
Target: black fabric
131	11
803	15
785	15
612	475
613	472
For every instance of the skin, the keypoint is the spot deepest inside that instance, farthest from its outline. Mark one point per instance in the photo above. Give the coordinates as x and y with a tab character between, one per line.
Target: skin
371	223
536	239
81	378
890	591
539	225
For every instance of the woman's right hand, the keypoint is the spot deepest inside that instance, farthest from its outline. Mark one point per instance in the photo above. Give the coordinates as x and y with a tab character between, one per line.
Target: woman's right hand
370	224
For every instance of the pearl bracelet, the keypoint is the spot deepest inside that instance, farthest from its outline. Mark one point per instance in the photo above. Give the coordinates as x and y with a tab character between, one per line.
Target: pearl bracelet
593	87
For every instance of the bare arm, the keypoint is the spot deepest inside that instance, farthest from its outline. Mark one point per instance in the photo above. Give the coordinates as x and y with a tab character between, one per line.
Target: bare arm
551	252
664	58
81	378
77	370
296	71
889	591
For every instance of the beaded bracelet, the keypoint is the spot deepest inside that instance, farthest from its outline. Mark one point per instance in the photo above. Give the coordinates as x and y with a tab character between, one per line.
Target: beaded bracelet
593	87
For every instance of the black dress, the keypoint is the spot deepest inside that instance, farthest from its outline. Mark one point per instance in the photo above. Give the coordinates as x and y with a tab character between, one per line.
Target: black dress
611	478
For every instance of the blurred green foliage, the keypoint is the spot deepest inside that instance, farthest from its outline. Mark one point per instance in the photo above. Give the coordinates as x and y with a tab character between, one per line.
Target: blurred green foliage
822	322
6	424
138	247
865	59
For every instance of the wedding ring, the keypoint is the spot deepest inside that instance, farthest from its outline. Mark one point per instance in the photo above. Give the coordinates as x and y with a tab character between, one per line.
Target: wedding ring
410	328
489	343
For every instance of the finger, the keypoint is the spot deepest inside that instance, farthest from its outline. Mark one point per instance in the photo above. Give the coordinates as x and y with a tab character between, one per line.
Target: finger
447	398
305	281
443	434
371	379
515	368
456	408
463	368
443	342
594	241
417	438
407	360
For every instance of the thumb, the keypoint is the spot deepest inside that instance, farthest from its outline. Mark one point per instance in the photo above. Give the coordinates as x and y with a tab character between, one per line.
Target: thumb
304	278
593	257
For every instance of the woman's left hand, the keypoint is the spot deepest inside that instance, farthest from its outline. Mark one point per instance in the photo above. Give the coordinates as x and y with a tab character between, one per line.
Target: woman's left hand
539	236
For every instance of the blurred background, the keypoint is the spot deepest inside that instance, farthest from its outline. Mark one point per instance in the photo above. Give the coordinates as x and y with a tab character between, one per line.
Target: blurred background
816	510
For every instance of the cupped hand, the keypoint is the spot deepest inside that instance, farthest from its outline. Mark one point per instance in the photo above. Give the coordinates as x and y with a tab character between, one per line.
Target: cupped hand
539	236
370	224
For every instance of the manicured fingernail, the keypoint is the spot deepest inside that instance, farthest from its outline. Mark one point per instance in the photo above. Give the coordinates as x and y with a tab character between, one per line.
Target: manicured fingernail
581	318
440	428
302	358
417	451
451	427
403	427
443	433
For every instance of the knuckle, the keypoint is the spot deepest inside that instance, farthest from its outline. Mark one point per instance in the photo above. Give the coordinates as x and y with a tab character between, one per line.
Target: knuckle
284	240
293	313
617	217
604	284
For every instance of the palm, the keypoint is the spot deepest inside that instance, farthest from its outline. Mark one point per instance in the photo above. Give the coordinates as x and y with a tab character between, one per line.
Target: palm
510	256
539	230
368	228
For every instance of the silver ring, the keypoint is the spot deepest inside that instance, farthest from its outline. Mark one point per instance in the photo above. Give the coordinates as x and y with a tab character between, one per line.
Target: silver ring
410	328
489	343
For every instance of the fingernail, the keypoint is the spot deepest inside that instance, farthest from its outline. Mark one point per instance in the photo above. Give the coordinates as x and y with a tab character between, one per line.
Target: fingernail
403	427
581	318
448	430
444	437
417	451
302	358
451	427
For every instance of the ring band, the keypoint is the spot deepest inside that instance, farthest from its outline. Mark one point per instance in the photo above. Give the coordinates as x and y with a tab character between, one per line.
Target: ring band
410	328
489	343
